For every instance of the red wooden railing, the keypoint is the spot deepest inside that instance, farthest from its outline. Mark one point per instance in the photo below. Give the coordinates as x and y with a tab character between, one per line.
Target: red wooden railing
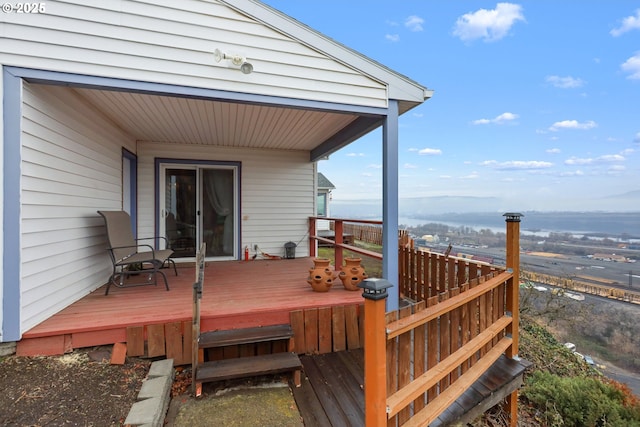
337	242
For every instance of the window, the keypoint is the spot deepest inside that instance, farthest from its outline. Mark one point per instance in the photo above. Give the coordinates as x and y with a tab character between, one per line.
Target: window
322	204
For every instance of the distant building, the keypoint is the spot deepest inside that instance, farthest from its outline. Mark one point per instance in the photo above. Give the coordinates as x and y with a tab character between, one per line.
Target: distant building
323	200
610	257
431	238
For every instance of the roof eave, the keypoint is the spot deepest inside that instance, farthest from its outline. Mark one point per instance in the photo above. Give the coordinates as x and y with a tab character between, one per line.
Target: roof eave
400	87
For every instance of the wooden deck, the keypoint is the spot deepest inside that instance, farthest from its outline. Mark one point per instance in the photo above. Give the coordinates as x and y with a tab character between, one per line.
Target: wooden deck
236	294
332	392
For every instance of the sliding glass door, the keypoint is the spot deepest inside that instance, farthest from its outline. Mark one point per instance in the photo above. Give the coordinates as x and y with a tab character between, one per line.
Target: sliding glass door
199	204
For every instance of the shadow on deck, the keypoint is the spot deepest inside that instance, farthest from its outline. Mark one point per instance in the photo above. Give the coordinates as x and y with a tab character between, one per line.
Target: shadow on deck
332	391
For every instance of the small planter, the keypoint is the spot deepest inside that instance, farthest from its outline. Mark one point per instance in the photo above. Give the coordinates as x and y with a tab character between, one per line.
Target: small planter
321	275
352	274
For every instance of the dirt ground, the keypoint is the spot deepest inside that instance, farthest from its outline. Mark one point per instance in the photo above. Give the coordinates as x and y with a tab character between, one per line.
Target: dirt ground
83	389
76	389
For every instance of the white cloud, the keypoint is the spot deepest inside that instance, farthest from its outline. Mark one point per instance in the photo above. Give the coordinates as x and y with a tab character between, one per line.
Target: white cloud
553	151
505	117
629	23
617	168
374	166
517	164
572	124
578	161
632	66
607	158
392	37
502	118
414	23
430	152
612	158
575	173
366	174
410	166
445	177
489	25
564	82
636	138
472	175
355	154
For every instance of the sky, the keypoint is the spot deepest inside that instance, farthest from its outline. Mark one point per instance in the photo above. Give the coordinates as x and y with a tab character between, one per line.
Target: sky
536	103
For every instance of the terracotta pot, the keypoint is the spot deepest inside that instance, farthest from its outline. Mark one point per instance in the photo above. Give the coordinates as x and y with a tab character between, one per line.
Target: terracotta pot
352	274
321	275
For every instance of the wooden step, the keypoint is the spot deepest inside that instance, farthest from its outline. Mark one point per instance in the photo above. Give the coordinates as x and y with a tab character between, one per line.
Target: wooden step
245	336
244	367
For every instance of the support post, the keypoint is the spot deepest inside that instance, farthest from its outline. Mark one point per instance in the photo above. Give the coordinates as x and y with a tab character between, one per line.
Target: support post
390	202
513	301
313	243
338	227
375	351
513	263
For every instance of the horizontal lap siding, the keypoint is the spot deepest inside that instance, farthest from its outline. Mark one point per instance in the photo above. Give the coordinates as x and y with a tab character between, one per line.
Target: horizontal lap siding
173	42
71	167
277	196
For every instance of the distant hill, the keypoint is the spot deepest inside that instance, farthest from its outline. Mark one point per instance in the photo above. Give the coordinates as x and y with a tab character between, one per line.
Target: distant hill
487	212
372	208
616	224
368	209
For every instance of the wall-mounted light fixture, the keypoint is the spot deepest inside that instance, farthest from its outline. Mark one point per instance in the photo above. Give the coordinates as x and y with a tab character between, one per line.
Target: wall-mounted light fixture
237	60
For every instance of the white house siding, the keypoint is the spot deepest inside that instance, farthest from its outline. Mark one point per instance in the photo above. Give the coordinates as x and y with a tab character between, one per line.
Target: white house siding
172	42
277	195
71	167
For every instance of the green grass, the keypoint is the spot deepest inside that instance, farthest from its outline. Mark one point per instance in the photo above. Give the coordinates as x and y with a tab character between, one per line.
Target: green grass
372	267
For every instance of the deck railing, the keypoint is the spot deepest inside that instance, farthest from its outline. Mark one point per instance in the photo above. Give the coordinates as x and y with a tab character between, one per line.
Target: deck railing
441	346
464	316
338	227
423	275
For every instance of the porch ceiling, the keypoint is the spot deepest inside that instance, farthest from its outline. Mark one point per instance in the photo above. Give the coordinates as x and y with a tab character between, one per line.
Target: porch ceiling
160	118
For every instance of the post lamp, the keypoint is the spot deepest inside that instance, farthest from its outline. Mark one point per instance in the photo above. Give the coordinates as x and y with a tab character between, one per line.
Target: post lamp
375	289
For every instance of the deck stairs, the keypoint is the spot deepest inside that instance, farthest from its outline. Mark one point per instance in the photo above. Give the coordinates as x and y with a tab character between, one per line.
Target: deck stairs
237	353
260	351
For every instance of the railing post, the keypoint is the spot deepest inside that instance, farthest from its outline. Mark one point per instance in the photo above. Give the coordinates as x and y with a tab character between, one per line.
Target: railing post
312	232
338	238
375	351
513	302
513	263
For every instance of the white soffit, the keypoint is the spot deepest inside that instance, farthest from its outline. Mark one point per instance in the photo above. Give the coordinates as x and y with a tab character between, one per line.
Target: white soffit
161	118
